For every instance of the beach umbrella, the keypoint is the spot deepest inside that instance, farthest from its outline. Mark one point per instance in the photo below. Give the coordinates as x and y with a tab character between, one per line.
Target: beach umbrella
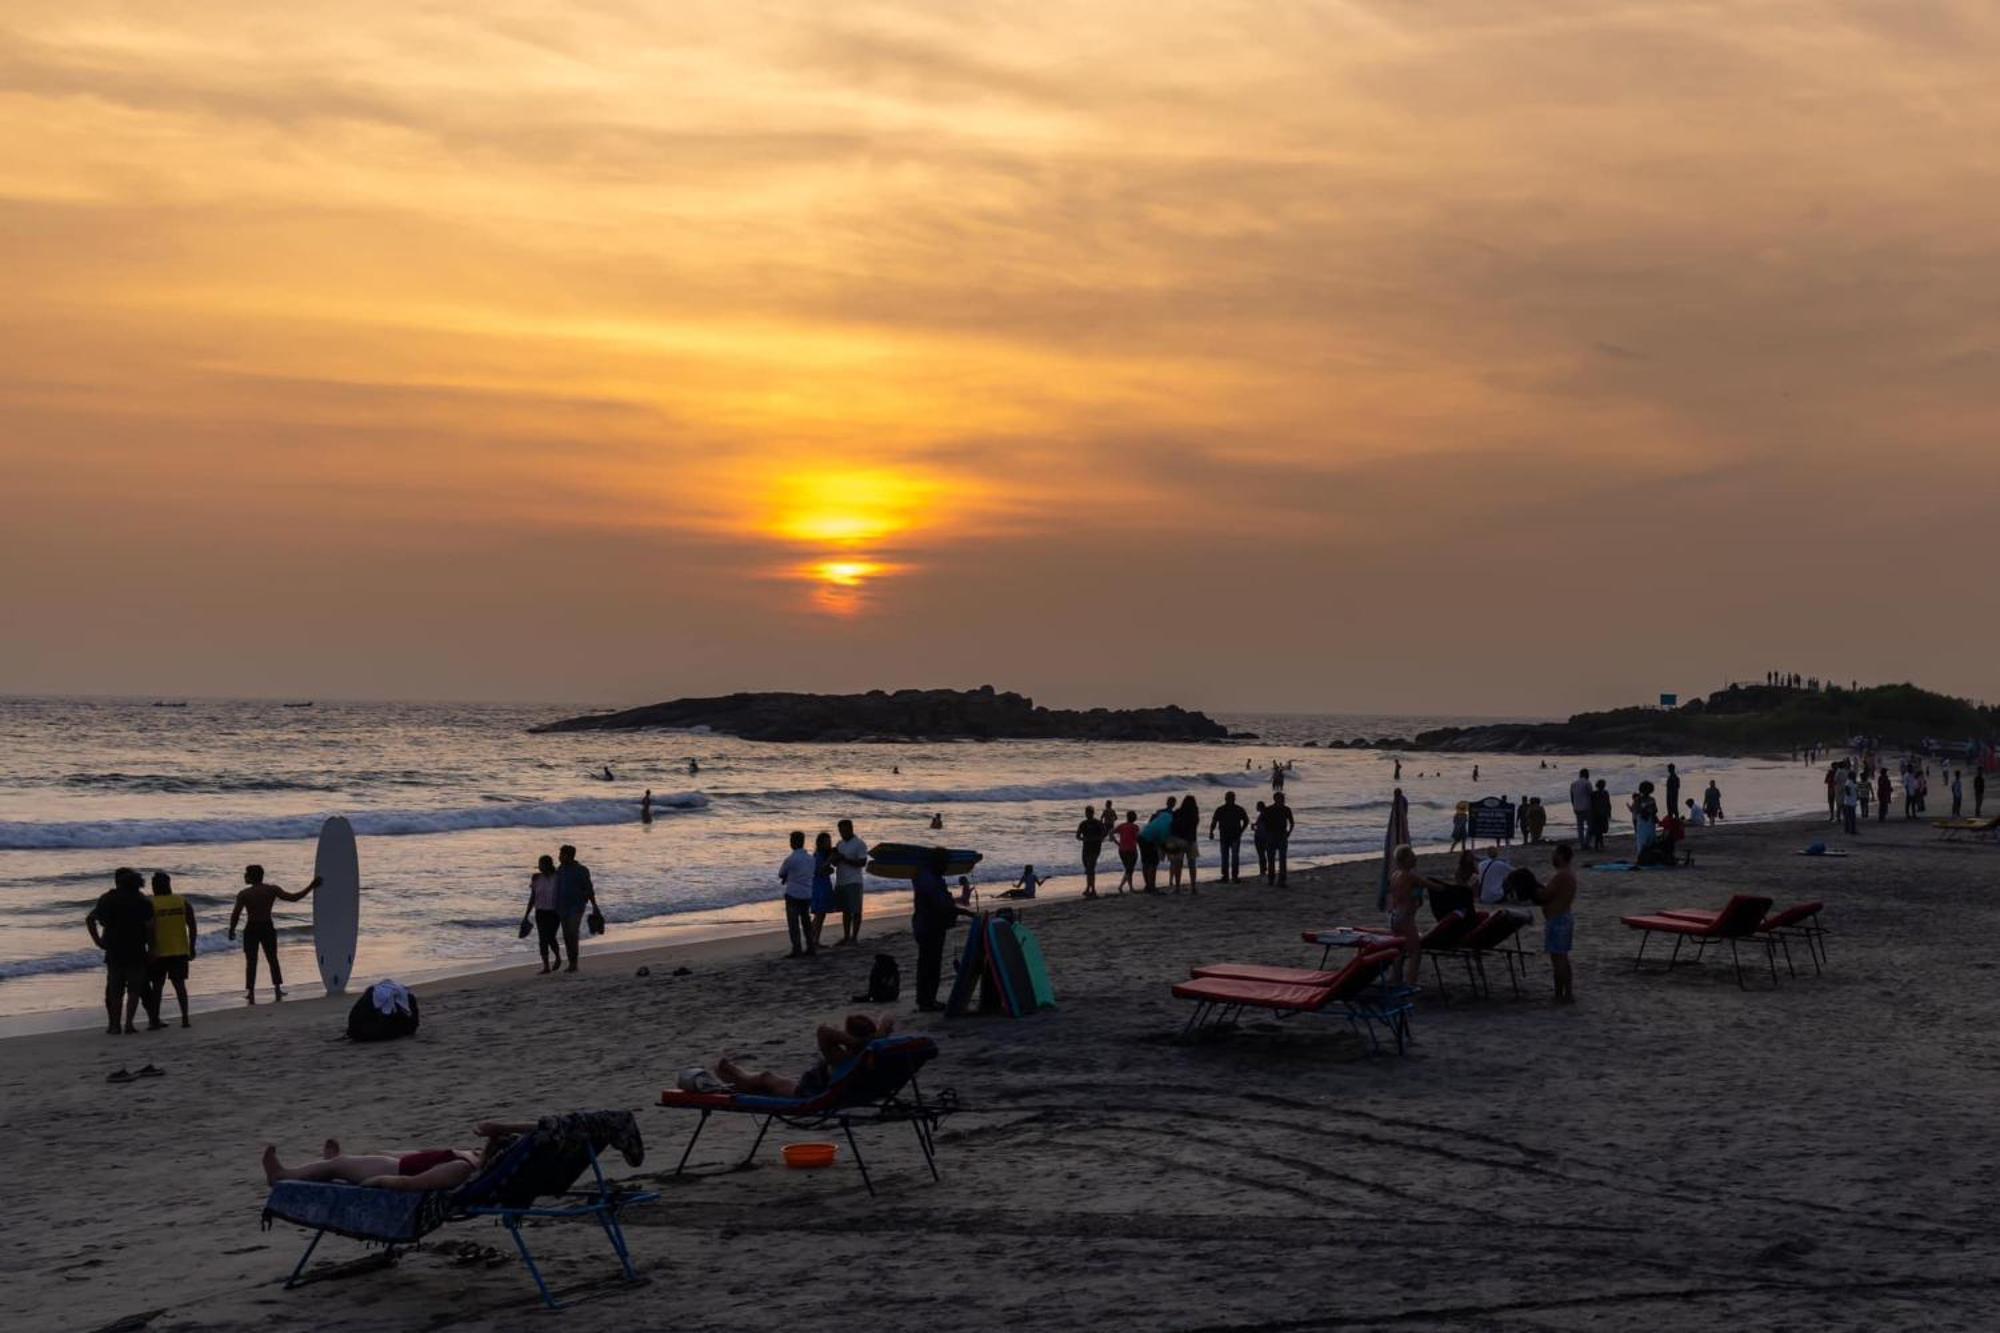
1397	834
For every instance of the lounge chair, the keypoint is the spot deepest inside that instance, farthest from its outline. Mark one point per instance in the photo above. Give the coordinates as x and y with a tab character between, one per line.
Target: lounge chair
543	1164
1738	921
1800	921
1486	934
1360	990
868	1090
1443	934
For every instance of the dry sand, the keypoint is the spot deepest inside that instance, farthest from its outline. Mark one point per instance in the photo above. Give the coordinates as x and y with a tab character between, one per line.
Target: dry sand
1671	1152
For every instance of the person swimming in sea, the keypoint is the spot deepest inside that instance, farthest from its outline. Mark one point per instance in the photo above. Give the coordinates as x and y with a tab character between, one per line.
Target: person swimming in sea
937	820
607	774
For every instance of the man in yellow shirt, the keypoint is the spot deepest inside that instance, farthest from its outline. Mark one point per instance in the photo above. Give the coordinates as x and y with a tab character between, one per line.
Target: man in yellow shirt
173	946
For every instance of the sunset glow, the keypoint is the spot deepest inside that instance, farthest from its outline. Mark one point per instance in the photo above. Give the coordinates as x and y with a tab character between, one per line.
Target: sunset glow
680	327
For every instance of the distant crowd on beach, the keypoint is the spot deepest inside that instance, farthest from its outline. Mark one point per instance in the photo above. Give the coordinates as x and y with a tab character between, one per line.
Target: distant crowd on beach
1852	785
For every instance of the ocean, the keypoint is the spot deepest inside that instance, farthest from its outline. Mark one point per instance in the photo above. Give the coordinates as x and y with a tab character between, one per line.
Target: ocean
452	803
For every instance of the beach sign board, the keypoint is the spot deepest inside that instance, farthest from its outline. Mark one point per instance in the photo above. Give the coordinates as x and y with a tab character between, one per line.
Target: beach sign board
1491	818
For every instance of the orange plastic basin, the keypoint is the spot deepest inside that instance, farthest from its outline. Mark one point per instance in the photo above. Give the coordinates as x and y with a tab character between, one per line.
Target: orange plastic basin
809	1156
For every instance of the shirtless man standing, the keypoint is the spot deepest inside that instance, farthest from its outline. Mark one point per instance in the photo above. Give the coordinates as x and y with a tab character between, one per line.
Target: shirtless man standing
1559	932
260	931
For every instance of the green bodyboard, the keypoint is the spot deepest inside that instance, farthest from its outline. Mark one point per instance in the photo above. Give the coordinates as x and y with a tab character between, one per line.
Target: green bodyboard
1038	967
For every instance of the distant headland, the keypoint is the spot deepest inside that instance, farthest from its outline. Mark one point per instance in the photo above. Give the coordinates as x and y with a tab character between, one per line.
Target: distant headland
905	715
1741	720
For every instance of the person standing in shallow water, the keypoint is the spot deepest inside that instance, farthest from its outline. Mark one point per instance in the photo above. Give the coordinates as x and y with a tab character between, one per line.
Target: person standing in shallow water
1278	824
260	930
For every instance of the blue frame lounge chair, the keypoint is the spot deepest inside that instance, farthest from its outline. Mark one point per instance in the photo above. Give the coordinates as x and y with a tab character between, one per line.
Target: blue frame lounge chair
867	1090
542	1165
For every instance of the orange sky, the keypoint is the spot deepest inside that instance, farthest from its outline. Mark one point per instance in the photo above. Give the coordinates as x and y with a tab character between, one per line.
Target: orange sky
1467	356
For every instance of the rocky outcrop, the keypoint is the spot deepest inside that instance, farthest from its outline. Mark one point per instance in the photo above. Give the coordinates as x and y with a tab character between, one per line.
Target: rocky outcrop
902	715
1754	719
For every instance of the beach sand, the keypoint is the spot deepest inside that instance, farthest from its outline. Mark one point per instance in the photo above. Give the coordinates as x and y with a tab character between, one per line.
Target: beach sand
1671	1152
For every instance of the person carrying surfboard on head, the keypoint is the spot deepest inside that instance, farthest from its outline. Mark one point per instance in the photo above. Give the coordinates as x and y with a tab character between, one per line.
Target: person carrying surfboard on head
259	930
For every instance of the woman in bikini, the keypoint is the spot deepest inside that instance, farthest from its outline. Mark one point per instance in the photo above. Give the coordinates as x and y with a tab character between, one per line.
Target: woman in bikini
421	1169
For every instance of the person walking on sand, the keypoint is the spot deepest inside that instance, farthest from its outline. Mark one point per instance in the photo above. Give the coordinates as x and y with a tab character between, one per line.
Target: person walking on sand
1673	788
1278	825
1600	814
575	895
173	946
1848	799
1957	793
1884	791
1559	920
254	905
795	873
1091	834
121	924
850	860
1226	826
1978	792
1127	837
1579	804
1258	839
542	907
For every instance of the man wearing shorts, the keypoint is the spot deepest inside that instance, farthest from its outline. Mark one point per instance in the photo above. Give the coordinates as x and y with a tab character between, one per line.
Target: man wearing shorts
121	924
259	930
1278	823
173	945
1559	917
850	858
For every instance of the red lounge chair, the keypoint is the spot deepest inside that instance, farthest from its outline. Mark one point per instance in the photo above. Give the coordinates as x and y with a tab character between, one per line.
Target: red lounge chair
1360	990
1489	933
1740	920
1797	922
1443	934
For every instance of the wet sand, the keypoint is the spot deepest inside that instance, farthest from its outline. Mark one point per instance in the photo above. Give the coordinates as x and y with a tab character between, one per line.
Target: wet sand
1670	1152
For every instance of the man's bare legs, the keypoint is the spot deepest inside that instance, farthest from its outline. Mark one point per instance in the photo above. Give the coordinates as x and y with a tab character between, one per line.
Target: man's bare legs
762	1084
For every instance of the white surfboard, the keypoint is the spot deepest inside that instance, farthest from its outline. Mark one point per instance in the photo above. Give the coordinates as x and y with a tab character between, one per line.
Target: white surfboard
336	904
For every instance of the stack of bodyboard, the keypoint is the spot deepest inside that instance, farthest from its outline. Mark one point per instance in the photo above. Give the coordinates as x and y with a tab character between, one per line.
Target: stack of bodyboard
1002	969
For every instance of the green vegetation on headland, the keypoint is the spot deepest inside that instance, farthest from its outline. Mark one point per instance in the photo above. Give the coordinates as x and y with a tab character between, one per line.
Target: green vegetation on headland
1741	720
903	715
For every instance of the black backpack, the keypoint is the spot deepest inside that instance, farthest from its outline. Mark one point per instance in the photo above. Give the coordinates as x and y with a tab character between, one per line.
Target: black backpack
367	1023
885	981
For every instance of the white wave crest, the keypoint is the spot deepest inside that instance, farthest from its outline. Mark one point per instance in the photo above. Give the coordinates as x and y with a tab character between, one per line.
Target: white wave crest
367	823
1111	788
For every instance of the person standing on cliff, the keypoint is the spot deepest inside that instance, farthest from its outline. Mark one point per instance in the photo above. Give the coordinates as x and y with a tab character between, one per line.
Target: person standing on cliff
1579	804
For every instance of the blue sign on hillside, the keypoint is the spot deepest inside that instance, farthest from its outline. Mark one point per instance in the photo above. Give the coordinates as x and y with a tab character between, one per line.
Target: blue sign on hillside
1669	700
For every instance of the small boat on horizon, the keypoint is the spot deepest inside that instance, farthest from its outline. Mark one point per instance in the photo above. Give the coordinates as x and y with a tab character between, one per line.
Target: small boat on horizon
307	704
161	703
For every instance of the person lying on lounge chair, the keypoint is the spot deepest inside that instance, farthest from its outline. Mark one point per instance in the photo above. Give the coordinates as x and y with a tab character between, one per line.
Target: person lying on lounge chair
420	1169
836	1047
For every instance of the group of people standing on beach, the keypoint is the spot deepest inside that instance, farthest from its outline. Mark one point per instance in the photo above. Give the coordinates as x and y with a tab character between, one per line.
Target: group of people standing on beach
1851	784
820	882
148	942
1173	833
